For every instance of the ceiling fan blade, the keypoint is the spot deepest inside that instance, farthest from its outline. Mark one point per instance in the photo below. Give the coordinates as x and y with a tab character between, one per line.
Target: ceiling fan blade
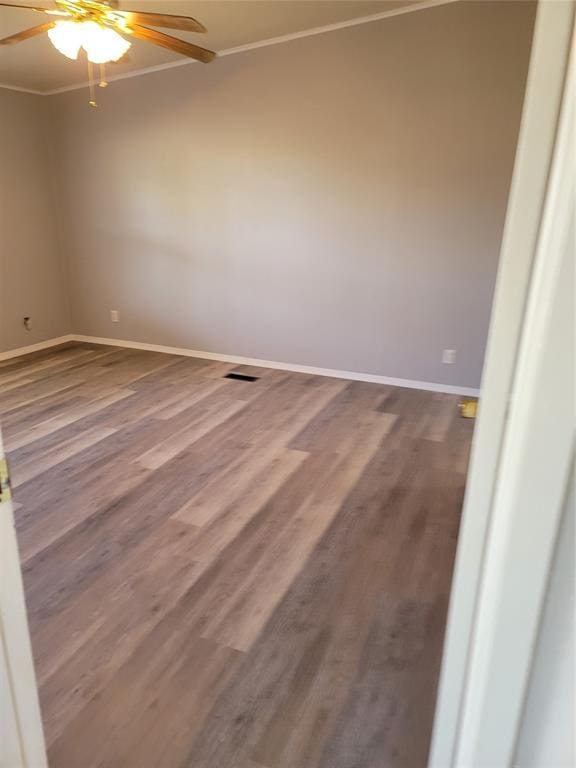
167	20
50	11
171	43
26	33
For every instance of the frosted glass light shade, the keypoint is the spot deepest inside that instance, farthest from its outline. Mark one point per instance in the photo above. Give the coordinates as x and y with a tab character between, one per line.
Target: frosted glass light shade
101	44
65	37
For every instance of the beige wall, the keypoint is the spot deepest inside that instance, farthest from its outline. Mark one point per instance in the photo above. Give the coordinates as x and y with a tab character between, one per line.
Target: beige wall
31	270
335	201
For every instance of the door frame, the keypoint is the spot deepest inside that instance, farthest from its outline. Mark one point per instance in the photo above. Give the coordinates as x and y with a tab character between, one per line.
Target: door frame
478	637
22	744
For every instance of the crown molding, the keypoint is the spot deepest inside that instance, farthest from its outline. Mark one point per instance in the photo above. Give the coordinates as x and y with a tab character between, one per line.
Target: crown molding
422	6
17	88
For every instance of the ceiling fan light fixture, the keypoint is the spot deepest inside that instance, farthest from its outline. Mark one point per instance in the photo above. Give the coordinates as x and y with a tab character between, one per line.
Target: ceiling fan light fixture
65	37
99	28
102	44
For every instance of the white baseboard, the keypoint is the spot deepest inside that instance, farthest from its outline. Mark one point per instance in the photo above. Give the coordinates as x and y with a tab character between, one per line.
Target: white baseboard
296	368
9	354
371	378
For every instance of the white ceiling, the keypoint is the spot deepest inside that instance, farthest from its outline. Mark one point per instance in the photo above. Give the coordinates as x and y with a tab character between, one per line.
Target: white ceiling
36	65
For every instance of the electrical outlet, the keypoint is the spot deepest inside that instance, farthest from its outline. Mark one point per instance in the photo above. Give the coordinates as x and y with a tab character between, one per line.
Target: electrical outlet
449	356
114	315
27	323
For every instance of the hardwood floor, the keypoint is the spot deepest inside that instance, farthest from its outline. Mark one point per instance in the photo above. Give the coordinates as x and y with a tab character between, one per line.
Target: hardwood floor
223	574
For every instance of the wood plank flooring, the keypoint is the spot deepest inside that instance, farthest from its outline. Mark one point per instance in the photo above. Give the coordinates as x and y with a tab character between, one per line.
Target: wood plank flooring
223	574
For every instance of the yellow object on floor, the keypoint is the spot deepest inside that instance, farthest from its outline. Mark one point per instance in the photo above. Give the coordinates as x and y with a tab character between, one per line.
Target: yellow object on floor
468	408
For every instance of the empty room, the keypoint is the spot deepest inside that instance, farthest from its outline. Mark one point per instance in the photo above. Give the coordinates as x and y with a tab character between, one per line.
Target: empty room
249	252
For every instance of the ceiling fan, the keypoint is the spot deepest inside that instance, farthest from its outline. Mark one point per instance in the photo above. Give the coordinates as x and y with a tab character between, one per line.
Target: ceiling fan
100	27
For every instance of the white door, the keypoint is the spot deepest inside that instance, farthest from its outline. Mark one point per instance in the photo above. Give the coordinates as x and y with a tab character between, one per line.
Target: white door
523	447
21	735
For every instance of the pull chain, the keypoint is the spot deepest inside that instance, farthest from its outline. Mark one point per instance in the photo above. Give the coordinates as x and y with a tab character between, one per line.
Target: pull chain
103	82
92	101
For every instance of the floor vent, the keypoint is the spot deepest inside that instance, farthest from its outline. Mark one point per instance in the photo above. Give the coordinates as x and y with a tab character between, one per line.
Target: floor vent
241	377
